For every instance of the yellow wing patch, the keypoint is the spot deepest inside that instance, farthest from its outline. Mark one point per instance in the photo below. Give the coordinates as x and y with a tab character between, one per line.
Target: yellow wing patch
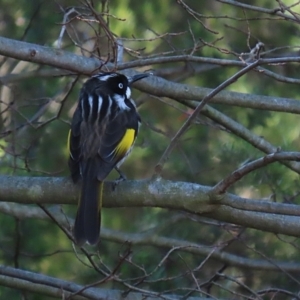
126	143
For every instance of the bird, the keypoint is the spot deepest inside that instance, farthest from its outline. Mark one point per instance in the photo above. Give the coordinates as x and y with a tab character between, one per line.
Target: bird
103	130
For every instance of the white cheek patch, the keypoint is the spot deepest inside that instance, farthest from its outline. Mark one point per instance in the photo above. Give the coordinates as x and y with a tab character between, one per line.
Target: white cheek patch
121	102
128	92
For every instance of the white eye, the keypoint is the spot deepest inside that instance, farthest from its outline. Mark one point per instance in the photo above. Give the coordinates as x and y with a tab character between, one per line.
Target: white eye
120	85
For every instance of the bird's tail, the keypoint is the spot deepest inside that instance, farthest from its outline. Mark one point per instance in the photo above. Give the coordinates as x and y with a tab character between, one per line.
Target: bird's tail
88	218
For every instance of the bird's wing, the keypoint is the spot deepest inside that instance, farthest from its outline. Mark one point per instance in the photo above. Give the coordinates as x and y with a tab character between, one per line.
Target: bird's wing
116	141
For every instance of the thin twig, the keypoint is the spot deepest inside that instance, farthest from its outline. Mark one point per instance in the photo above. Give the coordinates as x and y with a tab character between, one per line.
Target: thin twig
236	175
194	115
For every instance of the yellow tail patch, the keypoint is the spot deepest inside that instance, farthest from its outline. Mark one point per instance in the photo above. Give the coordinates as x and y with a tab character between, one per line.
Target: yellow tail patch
126	143
68	142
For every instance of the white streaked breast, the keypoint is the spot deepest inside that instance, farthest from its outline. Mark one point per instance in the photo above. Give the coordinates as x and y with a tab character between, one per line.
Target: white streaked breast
91	104
100	100
91	101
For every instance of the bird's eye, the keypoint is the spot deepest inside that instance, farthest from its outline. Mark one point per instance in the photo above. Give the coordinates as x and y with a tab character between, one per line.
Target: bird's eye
120	85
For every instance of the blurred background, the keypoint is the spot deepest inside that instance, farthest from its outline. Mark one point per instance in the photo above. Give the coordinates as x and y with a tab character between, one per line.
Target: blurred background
37	103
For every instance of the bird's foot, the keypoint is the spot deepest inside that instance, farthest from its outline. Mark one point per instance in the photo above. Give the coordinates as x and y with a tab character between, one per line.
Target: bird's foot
120	179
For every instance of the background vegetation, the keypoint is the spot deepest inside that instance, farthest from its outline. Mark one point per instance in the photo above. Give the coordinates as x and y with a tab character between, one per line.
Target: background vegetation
204	214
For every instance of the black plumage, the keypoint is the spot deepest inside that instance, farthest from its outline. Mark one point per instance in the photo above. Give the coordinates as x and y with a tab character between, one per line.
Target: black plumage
104	127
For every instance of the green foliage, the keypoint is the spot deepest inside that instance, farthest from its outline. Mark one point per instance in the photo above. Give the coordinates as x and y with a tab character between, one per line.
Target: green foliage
206	154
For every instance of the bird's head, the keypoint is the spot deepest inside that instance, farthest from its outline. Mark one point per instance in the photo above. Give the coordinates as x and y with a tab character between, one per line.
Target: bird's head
117	84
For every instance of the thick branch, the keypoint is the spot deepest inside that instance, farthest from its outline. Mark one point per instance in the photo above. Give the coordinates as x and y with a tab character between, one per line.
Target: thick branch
189	197
48	56
152	85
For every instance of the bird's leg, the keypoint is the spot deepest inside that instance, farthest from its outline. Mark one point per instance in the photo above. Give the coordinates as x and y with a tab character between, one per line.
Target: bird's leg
120	179
122	175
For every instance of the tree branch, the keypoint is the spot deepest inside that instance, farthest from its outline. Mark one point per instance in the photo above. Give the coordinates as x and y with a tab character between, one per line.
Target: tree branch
153	85
236	175
46	285
242	132
48	56
189	197
152	239
199	107
269	11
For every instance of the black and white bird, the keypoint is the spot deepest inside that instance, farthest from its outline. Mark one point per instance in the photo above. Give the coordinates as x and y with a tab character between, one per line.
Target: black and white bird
103	130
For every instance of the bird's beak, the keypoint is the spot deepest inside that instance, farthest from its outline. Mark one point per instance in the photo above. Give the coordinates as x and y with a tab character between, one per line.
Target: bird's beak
137	77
